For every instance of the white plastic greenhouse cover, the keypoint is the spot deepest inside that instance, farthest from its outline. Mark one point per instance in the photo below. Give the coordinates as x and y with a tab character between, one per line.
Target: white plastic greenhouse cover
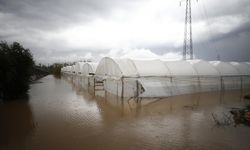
143	68
225	69
78	67
243	68
116	67
153	76
64	69
180	68
131	68
147	68
204	68
88	68
68	68
73	68
248	63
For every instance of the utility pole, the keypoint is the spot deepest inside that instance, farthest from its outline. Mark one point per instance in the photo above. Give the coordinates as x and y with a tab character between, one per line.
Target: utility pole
188	42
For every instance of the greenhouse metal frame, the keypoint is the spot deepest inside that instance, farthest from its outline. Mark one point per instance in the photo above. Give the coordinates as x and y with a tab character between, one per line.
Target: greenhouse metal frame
157	78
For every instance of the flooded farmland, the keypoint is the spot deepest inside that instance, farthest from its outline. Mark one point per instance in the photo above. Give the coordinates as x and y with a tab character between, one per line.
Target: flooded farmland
60	115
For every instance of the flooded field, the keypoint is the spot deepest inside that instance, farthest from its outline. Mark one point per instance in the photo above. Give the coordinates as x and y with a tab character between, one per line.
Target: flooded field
59	115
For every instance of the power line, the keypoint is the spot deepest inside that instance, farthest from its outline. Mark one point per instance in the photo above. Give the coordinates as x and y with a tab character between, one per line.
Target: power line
211	33
188	42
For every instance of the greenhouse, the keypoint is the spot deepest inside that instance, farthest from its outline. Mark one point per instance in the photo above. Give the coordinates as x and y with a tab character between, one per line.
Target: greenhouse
88	68
208	77
78	67
243	69
157	78
87	77
230	77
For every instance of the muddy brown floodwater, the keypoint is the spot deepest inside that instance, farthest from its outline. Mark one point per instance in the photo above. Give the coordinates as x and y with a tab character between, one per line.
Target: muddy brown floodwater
59	115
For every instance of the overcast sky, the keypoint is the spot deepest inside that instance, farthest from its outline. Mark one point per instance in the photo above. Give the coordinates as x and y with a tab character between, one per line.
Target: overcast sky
71	30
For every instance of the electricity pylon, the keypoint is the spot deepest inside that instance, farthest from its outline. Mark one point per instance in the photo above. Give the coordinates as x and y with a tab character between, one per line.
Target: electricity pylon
188	42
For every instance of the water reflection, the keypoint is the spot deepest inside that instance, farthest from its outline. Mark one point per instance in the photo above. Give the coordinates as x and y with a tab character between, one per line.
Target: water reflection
137	107
105	121
68	116
16	125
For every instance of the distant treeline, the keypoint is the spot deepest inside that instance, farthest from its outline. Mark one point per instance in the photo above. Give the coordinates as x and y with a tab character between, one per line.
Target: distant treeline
16	64
54	69
18	70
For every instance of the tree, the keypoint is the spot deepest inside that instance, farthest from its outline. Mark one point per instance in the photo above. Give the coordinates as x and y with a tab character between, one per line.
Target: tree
16	65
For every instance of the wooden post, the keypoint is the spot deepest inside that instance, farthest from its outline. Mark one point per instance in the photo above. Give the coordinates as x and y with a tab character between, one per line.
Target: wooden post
88	81
199	84
88	84
122	92
222	89
241	83
221	83
122	107
171	86
241	87
105	91
137	91
138	108
117	91
94	86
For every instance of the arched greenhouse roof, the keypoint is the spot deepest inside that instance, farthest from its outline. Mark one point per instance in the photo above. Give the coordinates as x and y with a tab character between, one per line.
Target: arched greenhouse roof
73	68
131	68
225	69
203	68
69	68
248	63
116	68
147	68
180	68
243	68
62	69
88	68
78	67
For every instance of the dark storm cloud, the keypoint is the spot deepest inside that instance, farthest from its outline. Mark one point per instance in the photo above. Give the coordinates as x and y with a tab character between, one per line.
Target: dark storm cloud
53	14
242	29
232	46
217	8
29	21
35	23
228	46
214	10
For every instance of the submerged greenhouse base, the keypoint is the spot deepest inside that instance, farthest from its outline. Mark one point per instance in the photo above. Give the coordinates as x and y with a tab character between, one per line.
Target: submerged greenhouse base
156	78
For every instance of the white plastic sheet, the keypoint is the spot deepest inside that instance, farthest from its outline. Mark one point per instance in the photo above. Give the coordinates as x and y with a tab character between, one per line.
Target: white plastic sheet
78	67
225	69
88	68
166	78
